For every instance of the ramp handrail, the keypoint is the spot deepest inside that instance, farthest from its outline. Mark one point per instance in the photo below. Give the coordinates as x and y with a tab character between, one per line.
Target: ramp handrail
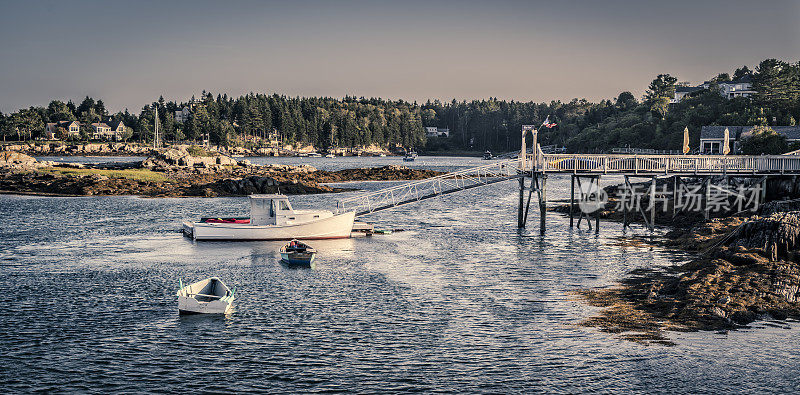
442	184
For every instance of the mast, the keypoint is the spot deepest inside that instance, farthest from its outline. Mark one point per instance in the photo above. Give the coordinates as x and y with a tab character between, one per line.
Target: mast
155	130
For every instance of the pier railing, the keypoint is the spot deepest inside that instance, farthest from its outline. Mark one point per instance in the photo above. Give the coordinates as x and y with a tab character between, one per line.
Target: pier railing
495	171
662	164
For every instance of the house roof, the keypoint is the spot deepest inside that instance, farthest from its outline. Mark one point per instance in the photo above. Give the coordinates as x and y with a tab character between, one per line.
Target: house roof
114	124
736	132
718	132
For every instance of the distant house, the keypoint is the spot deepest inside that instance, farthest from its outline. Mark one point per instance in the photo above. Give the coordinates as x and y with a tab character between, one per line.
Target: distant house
432	131
713	137
108	131
182	115
73	128
742	87
682	91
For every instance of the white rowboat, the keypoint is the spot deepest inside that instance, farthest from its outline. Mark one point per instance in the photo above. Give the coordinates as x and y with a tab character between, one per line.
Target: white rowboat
209	296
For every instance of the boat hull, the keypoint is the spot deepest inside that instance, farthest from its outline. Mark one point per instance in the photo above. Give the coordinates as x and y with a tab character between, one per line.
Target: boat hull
335	227
187	305
301	258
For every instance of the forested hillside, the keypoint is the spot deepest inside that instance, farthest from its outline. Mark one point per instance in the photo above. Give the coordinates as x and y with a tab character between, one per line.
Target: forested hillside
581	126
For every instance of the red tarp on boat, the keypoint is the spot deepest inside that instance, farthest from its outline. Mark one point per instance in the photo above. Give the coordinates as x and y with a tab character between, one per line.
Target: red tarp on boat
227	221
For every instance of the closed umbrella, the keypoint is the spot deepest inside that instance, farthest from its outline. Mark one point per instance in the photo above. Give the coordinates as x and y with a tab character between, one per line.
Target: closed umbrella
726	145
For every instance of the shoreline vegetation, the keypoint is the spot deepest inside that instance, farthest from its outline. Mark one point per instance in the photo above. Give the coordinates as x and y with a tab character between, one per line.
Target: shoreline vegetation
744	268
177	173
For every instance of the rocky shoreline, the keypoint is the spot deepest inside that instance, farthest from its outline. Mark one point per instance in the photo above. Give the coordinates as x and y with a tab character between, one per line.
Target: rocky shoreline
746	268
67	149
176	173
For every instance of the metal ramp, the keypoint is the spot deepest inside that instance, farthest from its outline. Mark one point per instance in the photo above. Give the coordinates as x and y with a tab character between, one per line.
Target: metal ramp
415	191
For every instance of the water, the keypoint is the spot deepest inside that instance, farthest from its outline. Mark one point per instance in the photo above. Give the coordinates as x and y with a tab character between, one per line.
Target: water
459	302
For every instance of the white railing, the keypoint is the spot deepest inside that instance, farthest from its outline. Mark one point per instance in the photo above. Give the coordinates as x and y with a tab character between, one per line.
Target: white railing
666	164
443	184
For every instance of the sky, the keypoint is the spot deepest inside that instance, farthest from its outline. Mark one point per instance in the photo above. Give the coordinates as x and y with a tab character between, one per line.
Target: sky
128	53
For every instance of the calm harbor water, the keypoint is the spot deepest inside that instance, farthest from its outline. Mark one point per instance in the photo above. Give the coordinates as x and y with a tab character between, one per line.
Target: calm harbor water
458	302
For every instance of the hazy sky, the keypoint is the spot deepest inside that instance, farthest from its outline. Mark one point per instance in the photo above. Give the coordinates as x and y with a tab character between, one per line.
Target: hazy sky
129	53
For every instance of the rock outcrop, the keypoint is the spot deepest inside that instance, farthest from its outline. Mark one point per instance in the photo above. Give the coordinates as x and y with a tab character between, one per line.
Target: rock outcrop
180	157
13	159
748	269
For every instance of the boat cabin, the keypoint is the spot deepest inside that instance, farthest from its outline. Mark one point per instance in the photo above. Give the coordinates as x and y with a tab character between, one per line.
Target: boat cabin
276	210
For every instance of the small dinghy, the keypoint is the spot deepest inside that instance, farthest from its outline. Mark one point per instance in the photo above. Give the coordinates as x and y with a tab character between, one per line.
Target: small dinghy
298	253
209	296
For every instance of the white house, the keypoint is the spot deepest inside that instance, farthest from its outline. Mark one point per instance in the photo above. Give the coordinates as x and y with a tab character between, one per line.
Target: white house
432	131
73	128
182	115
109	131
742	87
682	91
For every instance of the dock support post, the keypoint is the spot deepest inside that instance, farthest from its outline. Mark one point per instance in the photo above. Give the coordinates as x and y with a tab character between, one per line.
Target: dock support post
675	181
625	196
597	213
571	199
520	219
653	205
707	183
542	204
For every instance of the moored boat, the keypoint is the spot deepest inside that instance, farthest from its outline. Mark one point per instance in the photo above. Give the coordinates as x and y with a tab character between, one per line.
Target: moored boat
209	296
298	253
272	218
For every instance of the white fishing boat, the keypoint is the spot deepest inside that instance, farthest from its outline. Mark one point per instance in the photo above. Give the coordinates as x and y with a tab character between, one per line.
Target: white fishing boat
272	218
209	296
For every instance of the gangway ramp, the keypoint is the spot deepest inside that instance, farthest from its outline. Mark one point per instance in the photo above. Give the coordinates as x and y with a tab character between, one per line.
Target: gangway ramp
444	184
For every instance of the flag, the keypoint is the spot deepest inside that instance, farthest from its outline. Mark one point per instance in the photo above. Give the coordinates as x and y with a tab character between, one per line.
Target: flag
726	145
686	140
546	121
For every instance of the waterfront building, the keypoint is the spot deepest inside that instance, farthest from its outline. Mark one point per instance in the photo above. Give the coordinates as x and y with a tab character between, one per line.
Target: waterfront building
73	128
712	138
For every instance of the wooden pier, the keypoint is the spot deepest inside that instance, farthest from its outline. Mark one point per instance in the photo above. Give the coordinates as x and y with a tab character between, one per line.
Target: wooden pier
532	169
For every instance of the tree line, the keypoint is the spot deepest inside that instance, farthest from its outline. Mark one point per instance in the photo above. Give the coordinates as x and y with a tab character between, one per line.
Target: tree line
490	124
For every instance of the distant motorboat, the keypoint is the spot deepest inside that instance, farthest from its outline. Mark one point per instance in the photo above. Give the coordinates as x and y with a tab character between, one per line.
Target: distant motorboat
272	218
382	155
410	156
329	156
487	155
298	253
209	296
314	155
